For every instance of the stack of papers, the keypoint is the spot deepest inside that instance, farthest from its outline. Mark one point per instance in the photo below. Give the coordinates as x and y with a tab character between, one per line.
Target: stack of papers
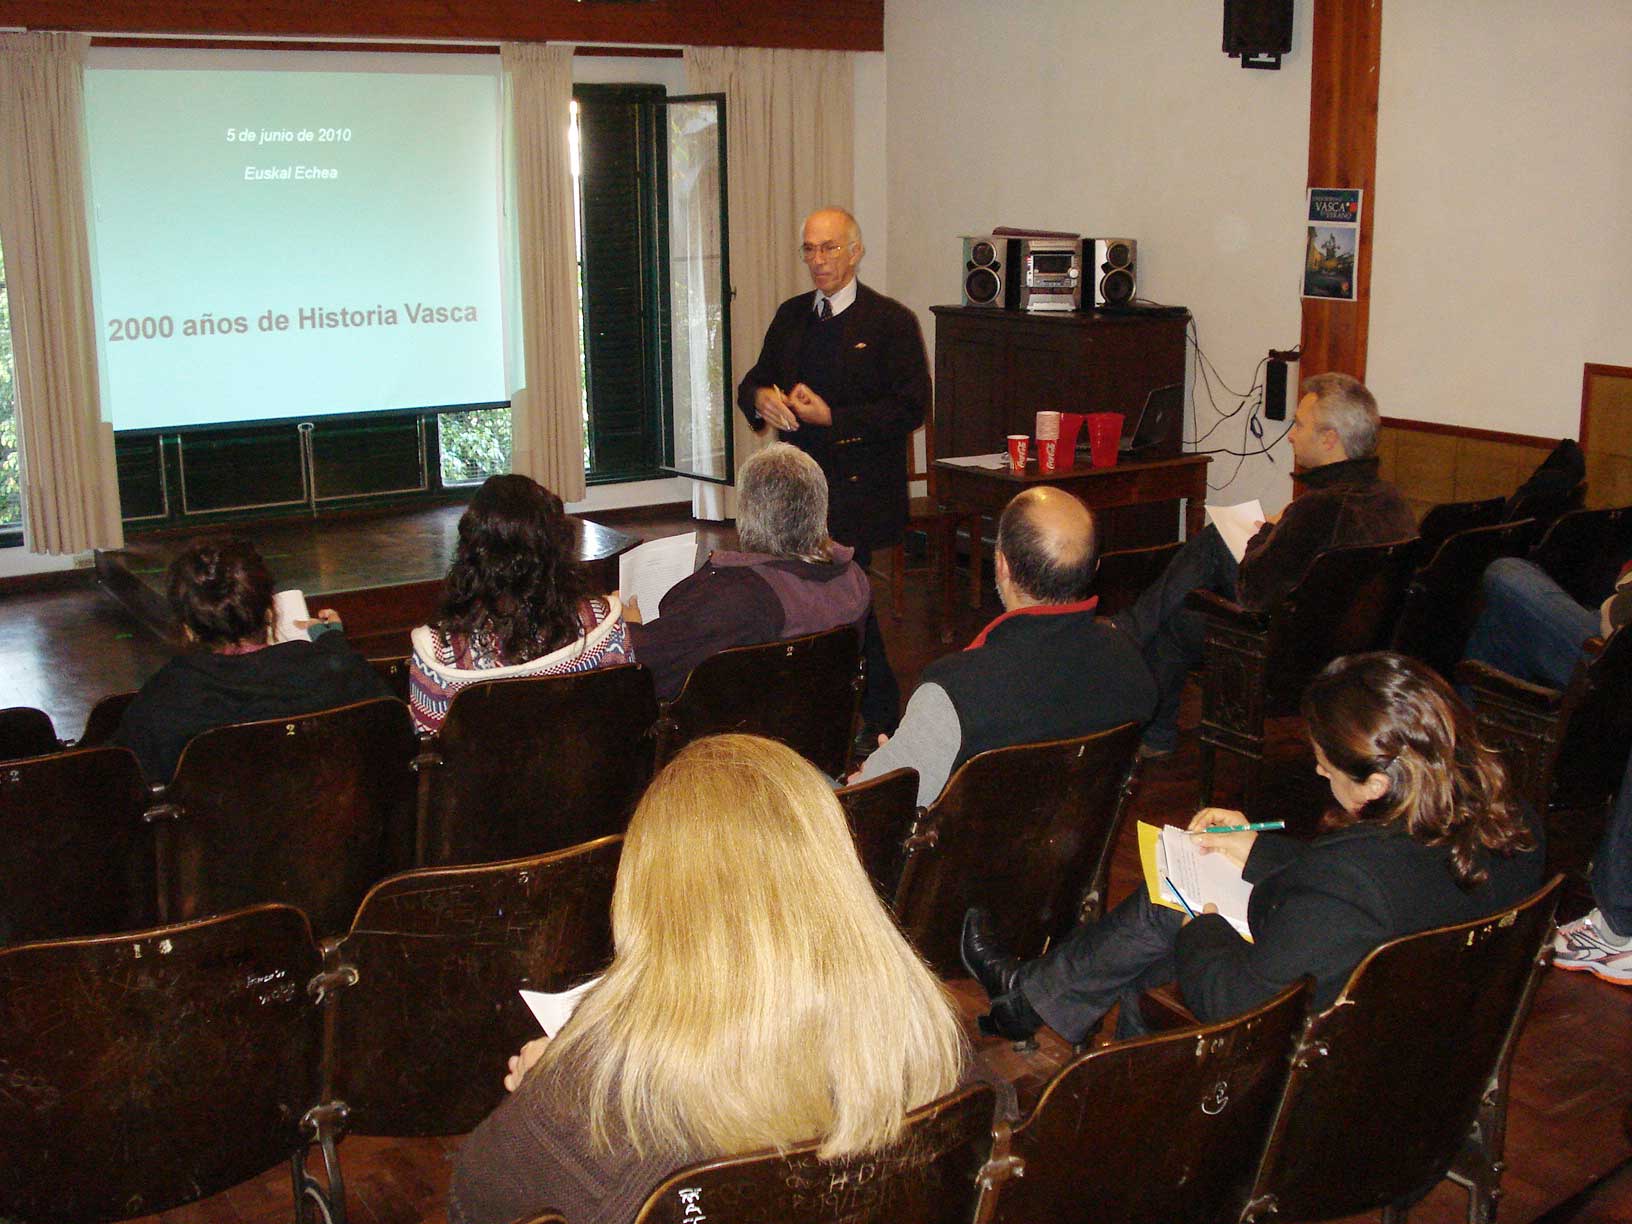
647	571
554	1010
1237	524
1177	872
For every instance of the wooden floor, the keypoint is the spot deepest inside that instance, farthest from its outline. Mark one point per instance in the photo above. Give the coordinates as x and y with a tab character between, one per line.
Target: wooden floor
1572	1083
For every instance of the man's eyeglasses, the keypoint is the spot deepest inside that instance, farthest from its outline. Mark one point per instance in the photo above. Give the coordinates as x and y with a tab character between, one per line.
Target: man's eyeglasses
809	251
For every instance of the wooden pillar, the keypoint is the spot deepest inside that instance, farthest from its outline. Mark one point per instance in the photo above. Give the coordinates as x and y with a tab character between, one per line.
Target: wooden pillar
1345	59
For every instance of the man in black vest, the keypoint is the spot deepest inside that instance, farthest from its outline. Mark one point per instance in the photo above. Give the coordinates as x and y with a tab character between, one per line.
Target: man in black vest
843	376
1045	669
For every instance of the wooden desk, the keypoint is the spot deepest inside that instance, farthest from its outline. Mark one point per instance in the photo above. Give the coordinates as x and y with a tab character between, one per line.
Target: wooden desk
970	493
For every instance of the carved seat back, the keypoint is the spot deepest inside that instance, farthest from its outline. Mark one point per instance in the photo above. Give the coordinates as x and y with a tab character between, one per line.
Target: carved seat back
805	691
1546	504
1025	832
430	1013
1347	601
151	1069
1256	664
926	1177
104	719
1124	575
881	811
1164	1128
309	810
1441	522
1405	1068
1583	551
77	858
527	766
26	732
1443	597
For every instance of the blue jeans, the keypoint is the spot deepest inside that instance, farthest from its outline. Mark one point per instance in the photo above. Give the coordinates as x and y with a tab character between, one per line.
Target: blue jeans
1612	865
1167	633
1529	626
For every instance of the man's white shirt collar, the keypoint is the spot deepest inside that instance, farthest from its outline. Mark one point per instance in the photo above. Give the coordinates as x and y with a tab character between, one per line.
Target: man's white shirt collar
841	300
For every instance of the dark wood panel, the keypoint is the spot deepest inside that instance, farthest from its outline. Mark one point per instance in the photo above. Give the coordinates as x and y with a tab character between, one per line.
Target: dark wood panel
1345	59
838	25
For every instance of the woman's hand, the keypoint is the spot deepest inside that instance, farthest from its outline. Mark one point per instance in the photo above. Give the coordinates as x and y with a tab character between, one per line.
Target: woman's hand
1233	846
523	1062
1209	908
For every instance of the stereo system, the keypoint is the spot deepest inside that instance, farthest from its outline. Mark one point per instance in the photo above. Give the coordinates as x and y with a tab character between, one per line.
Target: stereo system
1048	272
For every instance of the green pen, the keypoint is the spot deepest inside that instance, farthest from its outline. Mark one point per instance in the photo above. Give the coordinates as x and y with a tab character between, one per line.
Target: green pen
1260	826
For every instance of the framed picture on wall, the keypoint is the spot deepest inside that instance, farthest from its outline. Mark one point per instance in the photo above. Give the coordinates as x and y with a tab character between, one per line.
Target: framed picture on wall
1332	243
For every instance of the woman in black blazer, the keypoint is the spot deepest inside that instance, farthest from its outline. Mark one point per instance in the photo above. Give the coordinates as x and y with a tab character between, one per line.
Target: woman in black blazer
1425	831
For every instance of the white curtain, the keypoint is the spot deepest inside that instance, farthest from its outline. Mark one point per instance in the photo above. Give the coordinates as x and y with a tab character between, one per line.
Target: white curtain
546	412
790	149
70	483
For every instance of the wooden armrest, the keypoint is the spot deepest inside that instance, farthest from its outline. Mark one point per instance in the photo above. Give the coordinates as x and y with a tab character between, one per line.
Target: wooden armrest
1162	1010
1486	680
1216	607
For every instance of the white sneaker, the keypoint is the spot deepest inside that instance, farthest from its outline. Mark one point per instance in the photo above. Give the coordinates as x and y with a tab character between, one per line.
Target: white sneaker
1587	944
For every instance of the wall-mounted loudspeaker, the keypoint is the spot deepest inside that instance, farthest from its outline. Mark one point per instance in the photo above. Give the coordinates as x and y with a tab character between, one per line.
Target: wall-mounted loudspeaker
985	270
1258	31
1110	270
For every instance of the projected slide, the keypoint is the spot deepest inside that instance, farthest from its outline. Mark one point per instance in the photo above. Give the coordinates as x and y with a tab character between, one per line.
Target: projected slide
290	243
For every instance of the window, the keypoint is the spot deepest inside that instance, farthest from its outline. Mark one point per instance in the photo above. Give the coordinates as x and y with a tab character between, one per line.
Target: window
11	501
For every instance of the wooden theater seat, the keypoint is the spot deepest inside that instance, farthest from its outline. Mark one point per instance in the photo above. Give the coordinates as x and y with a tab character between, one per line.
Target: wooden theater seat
881	812
26	732
1027	833
526	766
311	811
1442	600
805	691
77	857
423	987
1162	1128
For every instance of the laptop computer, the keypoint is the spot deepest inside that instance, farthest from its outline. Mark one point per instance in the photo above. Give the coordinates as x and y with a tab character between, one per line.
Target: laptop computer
1157	418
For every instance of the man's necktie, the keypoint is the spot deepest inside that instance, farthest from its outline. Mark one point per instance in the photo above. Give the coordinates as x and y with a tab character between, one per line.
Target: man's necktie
825	312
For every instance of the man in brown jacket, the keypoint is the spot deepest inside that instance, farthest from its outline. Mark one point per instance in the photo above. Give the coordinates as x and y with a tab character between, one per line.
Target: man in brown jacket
1334	448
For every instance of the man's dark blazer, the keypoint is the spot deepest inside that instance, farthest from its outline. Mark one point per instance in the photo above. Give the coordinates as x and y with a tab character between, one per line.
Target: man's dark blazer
885	394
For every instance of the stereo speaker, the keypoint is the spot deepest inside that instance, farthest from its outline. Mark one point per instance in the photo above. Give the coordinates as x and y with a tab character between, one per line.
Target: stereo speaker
986	278
1110	270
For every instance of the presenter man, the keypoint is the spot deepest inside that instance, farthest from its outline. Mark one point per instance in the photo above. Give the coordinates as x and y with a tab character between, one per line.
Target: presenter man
843	376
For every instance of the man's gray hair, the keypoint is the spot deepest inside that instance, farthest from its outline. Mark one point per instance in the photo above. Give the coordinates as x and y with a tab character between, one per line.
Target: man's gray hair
852	227
782	504
1345	406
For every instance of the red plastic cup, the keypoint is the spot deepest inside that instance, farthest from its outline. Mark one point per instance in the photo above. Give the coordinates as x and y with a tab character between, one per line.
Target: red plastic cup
1104	432
1018	443
1070	426
1047	449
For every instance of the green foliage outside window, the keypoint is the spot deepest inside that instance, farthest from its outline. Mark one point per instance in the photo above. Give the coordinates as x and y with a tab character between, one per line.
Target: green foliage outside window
11	504
475	445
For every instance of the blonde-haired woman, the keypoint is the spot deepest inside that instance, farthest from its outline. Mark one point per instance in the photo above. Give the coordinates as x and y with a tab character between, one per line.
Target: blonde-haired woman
759	996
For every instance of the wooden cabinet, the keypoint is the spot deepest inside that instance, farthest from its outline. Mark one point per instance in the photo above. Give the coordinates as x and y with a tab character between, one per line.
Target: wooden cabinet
996	369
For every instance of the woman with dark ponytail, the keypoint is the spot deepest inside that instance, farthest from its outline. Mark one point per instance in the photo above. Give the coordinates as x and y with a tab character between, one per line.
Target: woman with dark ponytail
516	602
1425	831
221	593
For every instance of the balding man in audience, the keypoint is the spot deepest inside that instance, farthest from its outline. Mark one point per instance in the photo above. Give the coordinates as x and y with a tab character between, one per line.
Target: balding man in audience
1046	669
789	578
1334	448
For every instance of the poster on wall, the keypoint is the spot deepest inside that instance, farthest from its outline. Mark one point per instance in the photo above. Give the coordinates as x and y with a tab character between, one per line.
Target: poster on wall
1333	243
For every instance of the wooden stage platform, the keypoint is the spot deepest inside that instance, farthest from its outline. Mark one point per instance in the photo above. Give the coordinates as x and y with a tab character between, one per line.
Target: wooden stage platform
381	571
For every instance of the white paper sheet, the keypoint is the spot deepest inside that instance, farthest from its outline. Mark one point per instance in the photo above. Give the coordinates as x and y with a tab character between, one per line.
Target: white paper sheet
647	571
1237	524
998	461
287	608
553	1010
1202	879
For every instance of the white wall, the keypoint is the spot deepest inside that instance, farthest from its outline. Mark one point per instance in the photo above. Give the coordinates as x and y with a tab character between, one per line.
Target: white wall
1118	117
1502	257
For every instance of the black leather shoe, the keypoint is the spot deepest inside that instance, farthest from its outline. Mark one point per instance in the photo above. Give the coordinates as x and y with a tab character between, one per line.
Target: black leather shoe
1012	1017
983	954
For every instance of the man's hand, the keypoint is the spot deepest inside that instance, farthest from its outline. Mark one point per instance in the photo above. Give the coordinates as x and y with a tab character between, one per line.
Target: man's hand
775	410
523	1062
812	408
631	611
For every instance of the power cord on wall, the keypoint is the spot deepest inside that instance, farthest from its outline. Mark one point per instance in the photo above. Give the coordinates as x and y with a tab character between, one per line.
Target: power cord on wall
1250	401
